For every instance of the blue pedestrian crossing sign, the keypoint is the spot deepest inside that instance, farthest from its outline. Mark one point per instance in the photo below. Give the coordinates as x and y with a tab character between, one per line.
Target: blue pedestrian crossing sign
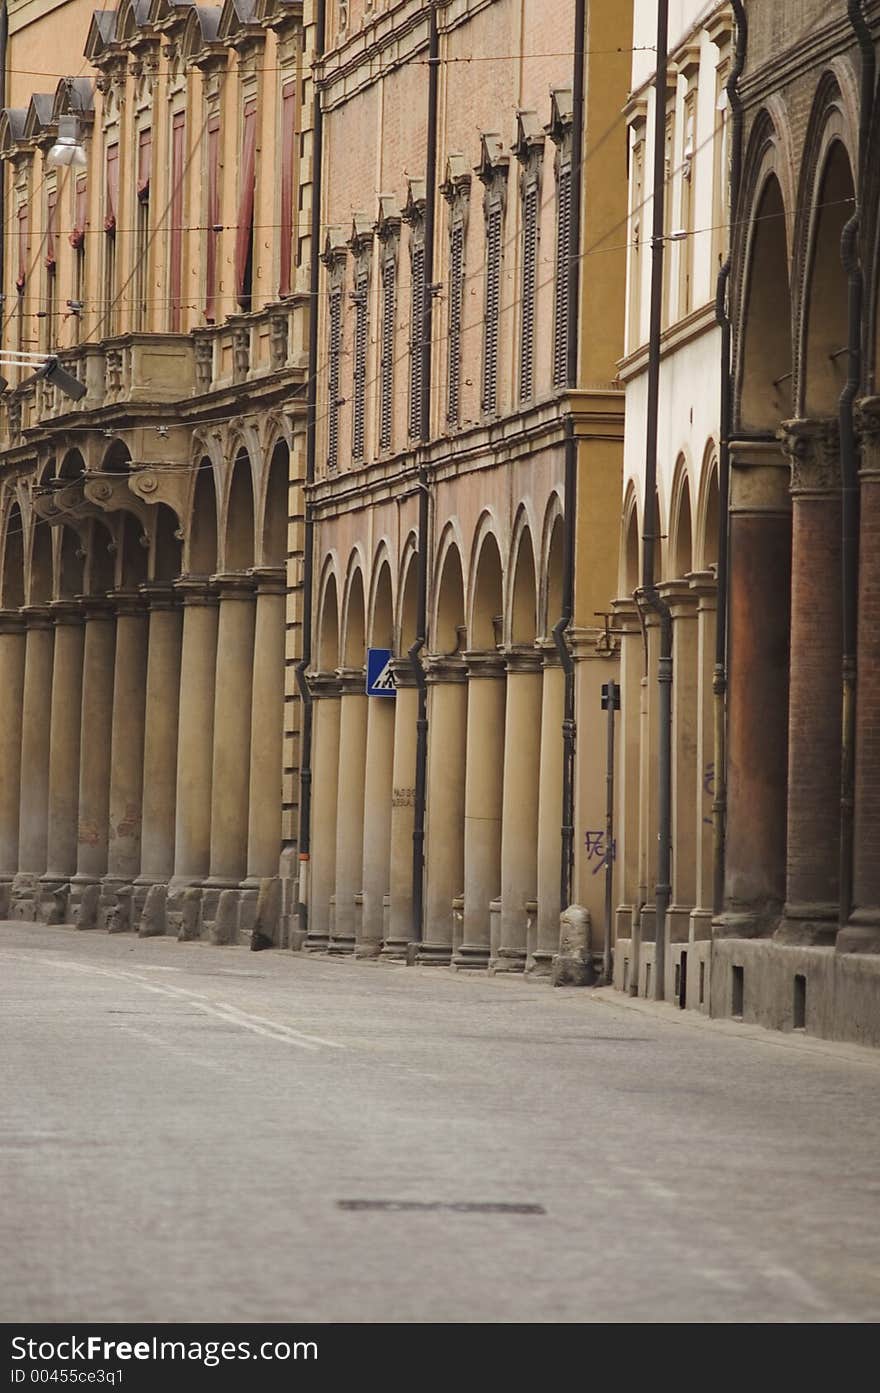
380	678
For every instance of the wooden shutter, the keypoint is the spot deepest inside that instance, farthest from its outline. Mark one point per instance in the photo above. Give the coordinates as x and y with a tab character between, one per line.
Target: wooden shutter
78	233
360	365
563	276
386	373
212	235
111	189
528	289
178	136
145	165
51	216
24	237
493	309
333	379
416	335
244	233
288	135
456	291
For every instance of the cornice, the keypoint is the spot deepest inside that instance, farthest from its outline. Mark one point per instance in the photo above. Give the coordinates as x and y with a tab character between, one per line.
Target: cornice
700	321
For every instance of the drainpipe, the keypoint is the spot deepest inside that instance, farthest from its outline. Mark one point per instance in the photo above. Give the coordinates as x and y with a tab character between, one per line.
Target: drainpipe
4	38
569	725
414	653
305	772
722	318
649	597
849	469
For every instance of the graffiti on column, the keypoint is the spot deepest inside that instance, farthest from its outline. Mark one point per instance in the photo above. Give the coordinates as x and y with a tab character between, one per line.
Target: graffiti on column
709	786
596	852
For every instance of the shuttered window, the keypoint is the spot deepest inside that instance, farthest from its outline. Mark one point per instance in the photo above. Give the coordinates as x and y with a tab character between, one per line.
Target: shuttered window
416	335
563	274
456	293
527	293
244	236
335	348
24	233
493	309
175	277
142	245
111	189
361	311
386	370
212	235
288	132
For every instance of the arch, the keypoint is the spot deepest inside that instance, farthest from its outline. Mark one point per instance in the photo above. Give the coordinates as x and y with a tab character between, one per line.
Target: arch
487	594
100	552
273	532
628	580
764	368
166	545
202	560
239	547
72	466
71	564
408	597
381	626
41	563
681	531
117	458
327	647
550	580
523	603
13	559
134	558
824	320
708	519
448	624
354	624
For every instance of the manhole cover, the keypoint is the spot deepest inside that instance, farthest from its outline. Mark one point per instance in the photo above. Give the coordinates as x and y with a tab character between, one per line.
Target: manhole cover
435	1206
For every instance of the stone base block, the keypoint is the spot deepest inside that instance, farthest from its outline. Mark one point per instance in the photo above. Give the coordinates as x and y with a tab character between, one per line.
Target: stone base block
224	929
210	898
83	906
508	960
25	898
679	923
5	897
152	921
540	963
573	964
183	913
115	907
395	949
701	925
622	964
53	906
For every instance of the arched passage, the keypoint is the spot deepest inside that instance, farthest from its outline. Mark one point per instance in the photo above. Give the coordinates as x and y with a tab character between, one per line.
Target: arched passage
487	604
765	361
240	516
524	599
167	544
275	508
449	614
825	307
378	780
203	527
13	560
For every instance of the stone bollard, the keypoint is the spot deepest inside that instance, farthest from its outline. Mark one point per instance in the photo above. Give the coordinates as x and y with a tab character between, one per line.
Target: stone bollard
117	915
153	923
265	926
225	928
572	965
190	907
85	916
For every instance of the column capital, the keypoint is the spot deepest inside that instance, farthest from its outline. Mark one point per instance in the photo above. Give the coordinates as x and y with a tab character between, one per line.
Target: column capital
704	584
352	681
234	585
403	672
66	612
323	685
37	616
159	595
867	413
759	477
679	597
523	659
128	603
11	621
270	580
445	667
813	450
548	652
626	614
489	665
195	590
96	607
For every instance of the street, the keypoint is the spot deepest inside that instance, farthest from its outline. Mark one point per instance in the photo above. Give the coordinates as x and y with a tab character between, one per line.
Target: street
185	1128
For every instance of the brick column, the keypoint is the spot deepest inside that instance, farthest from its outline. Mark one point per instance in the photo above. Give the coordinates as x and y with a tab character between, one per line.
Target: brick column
862	933
403	797
195	743
36	715
519	826
705	590
683	606
160	734
12	646
350	809
626	781
126	756
444	830
544	939
757	704
233	692
378	782
95	737
64	743
484	766
814	705
324	687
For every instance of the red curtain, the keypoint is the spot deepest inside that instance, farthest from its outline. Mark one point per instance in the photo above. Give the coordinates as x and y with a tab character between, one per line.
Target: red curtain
78	235
288	134
245	222
212	235
178	132
51	210
145	164
111	188
24	229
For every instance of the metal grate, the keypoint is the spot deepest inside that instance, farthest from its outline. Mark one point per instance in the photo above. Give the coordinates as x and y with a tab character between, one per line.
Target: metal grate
456	294
386	369
416	335
563	272
528	289
493	309
333	379
360	366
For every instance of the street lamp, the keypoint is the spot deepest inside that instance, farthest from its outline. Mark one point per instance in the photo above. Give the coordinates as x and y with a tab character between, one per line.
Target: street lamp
45	366
68	149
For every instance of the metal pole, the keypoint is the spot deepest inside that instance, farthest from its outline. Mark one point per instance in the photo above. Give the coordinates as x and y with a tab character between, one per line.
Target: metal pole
612	689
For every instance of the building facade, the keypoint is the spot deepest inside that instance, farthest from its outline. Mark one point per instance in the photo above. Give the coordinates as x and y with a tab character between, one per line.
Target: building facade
151	530
470	317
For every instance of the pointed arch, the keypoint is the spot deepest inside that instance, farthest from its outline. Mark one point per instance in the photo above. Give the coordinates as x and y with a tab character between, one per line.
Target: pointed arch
708	521
238	548
327	645
273	529
381	620
522	606
550	588
40	589
681	549
354	611
202	530
448	622
13	558
407	597
486	607
630	549
167	545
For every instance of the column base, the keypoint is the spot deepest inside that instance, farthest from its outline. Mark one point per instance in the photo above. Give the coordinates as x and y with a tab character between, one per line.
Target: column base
368	949
861	934
24	897
678	920
115	905
396	949
54	898
808	926
540	964
315	942
5	895
508	960
471	956
433	954
700	925
746	923
341	947
85	892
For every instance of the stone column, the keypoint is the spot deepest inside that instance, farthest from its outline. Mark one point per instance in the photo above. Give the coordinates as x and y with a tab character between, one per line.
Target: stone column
163	700
683	606
126	758
483	800
812	894
757	702
545	942
378	785
444	822
230	770
705	591
64	743
267	727
519	823
99	649
644	920
403	796
350	808
33	827
195	732
627	764
325	774
862	932
12	655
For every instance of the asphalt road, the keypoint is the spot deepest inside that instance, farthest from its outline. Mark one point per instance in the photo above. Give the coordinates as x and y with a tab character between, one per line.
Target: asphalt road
183	1130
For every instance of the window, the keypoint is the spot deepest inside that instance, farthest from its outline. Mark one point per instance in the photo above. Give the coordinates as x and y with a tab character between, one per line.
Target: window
77	240
142	229
335	349
288	136
637	194
686	217
563	275
111	203
416	331
24	234
175	276
456	300
494	222
244	236
212	236
720	169
527	291
50	306
386	366
361	338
